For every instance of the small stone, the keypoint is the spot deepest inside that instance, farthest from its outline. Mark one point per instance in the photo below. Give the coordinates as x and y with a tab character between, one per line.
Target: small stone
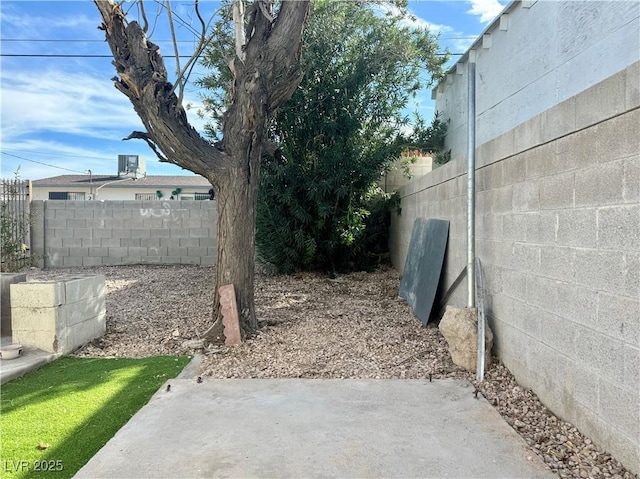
460	328
175	333
584	474
595	471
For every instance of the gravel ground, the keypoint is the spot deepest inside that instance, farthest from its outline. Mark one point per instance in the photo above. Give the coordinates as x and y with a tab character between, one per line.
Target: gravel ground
353	326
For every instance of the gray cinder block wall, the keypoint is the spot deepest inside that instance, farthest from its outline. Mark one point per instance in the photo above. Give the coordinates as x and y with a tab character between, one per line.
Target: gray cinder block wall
558	232
6	280
98	233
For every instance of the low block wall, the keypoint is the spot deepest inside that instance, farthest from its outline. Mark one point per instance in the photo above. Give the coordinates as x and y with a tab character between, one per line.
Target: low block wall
58	316
5	299
98	233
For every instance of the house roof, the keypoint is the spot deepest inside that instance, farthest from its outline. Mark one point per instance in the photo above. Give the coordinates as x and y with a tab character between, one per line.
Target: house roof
142	182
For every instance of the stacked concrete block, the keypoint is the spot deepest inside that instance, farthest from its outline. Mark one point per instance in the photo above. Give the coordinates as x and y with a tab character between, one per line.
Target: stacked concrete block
558	232
95	233
58	316
5	299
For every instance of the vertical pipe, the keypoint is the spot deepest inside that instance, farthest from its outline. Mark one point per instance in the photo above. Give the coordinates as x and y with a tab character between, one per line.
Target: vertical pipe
471	181
45	251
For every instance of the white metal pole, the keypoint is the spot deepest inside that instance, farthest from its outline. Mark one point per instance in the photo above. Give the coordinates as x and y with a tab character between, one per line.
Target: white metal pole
471	180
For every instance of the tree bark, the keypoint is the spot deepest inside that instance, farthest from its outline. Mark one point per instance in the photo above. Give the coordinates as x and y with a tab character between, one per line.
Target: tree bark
264	79
236	246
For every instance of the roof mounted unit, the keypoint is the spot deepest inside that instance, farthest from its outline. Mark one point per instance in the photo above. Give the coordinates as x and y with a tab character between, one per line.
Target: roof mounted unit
131	166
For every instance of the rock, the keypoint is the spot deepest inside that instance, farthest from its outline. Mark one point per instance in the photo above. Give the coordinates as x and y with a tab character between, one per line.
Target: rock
193	344
230	317
460	328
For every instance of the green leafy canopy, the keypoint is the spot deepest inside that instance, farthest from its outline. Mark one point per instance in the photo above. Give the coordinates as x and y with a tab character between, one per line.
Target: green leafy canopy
319	207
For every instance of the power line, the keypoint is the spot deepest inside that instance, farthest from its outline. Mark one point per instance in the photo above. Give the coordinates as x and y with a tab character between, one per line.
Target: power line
62	55
75	55
45	164
66	155
74	40
77	40
52	40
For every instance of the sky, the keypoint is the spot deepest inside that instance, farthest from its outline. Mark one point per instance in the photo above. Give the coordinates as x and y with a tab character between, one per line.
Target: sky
60	113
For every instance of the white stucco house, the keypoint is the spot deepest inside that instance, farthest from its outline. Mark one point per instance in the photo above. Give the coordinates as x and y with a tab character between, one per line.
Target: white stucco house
131	183
105	187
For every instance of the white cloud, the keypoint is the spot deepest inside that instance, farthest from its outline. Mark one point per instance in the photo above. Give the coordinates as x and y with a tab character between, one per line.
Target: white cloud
64	112
461	45
20	25
411	20
84	115
56	101
38	23
487	10
69	103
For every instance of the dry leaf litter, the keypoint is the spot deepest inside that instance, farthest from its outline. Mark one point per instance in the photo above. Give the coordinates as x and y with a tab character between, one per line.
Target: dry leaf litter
352	326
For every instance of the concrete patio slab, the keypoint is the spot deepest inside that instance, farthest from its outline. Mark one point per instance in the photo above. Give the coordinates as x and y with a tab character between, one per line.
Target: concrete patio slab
31	358
315	428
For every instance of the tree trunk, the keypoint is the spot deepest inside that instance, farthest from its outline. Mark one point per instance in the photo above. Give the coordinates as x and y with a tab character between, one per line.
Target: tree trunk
264	79
236	203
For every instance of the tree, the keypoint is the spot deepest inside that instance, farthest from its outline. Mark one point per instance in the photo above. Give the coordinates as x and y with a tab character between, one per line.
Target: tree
341	129
265	70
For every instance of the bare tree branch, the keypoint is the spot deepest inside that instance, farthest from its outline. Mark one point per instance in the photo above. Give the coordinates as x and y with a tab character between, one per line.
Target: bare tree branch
179	81
142	77
203	26
266	10
141	135
155	20
183	76
143	14
238	27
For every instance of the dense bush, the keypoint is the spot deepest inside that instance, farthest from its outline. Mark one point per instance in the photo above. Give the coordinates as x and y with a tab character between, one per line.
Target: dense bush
319	206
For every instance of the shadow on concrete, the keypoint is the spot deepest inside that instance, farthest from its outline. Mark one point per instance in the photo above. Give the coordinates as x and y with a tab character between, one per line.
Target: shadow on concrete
316	428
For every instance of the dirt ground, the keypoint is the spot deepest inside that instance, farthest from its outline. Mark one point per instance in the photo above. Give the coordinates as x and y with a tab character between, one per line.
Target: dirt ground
352	326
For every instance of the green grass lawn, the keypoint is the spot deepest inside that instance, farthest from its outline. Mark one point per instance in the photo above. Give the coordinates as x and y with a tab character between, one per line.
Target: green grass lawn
75	405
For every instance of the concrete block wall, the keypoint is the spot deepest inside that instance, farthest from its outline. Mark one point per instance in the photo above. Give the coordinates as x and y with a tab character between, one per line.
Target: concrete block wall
6	280
397	177
58	316
522	73
97	233
558	233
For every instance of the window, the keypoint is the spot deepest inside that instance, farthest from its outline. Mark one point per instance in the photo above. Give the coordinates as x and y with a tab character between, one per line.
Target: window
201	196
186	197
146	196
66	195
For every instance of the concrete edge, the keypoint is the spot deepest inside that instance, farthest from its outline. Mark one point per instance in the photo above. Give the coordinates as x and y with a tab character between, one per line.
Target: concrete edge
190	370
7	376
